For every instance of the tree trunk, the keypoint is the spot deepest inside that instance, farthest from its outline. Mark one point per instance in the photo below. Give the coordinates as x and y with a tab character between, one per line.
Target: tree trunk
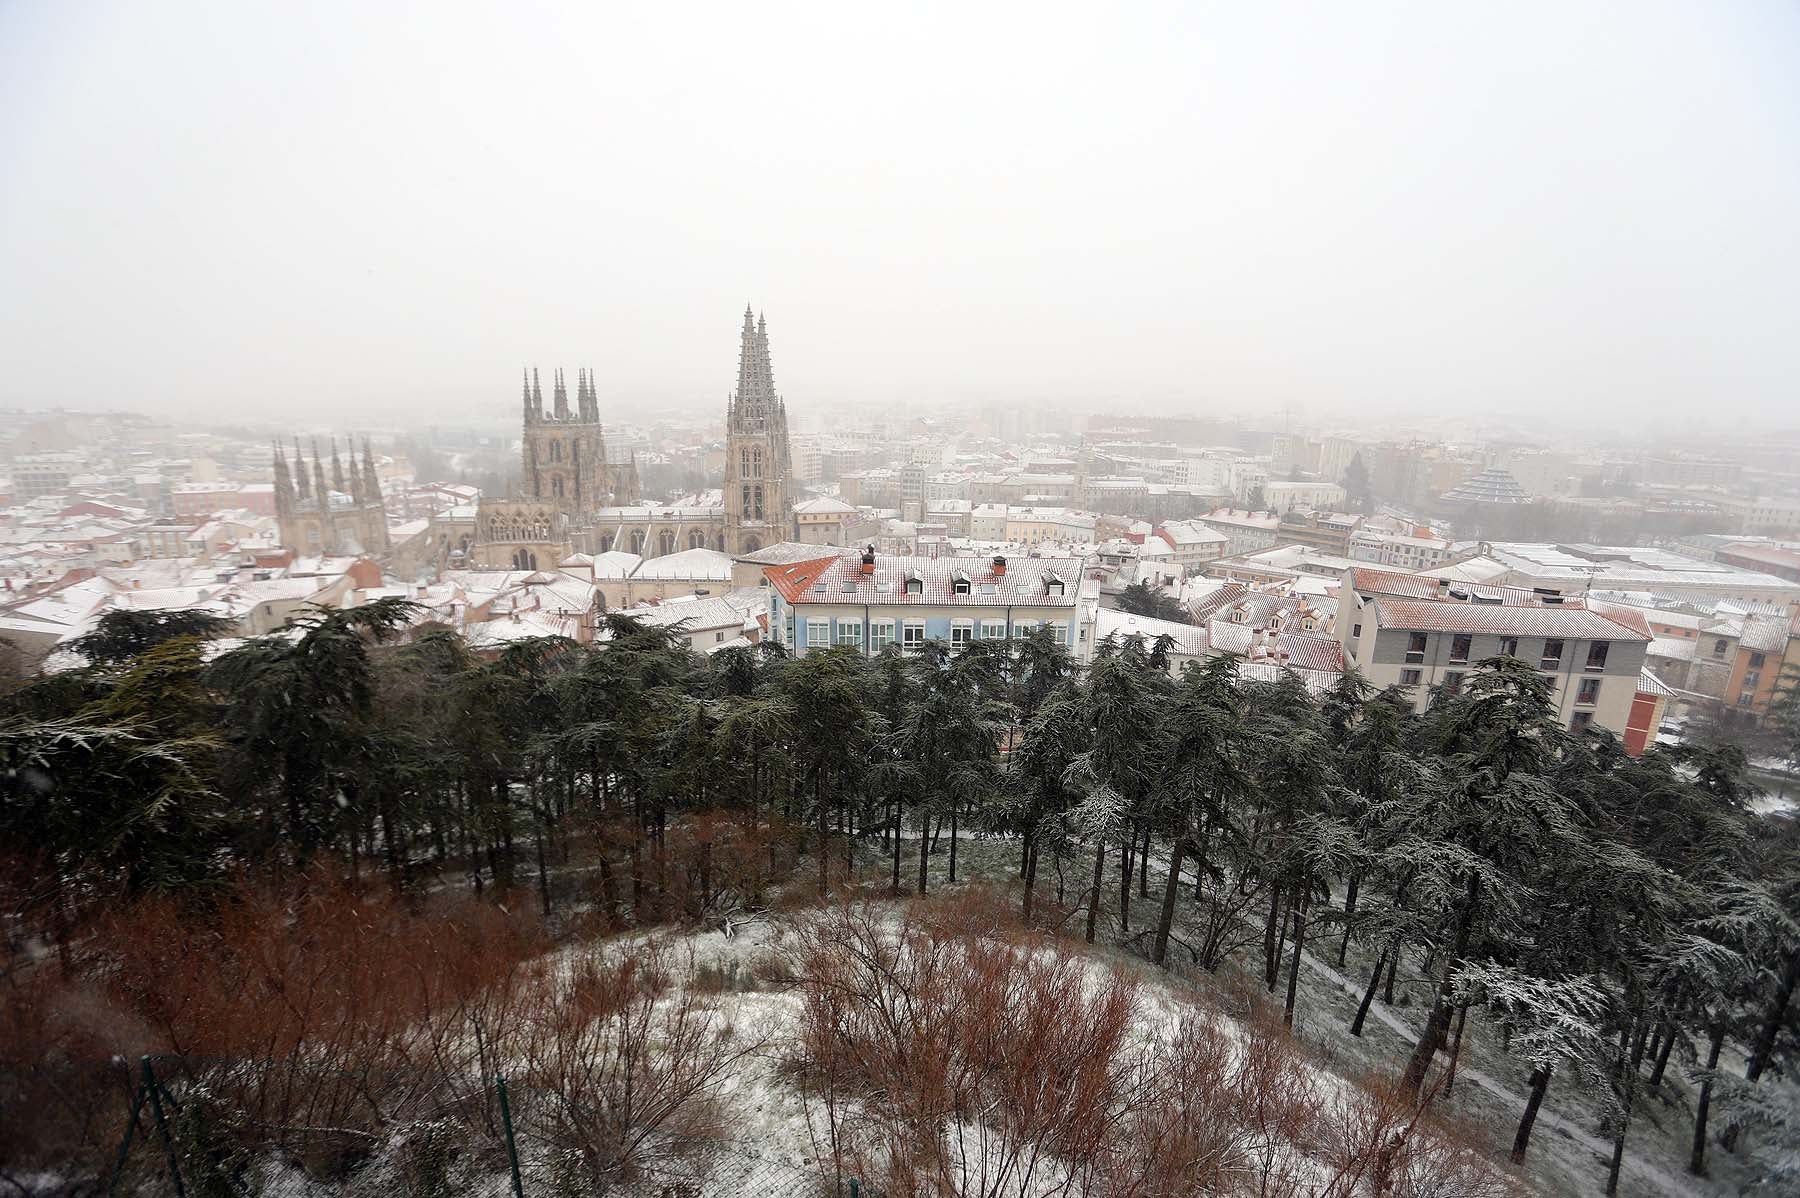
1462	1021
1387	993
1271	932
1349	910
1368	998
1127	845
924	847
953	808
1439	1021
1627	1080
894	825
1293	986
1031	864
1540	1081
1697	1162
1165	920
1662	1055
1144	865
1099	882
1771	1027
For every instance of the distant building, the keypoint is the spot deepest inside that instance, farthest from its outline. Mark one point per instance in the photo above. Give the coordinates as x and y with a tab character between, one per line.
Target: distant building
342	515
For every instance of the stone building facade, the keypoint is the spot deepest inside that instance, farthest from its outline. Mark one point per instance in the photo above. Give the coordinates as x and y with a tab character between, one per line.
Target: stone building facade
340	515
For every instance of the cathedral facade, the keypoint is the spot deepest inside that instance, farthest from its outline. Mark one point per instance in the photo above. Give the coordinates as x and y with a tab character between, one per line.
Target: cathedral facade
572	500
342	514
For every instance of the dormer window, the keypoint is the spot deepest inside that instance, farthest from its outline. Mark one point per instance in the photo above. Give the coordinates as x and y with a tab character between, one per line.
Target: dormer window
960	585
1054	585
915	585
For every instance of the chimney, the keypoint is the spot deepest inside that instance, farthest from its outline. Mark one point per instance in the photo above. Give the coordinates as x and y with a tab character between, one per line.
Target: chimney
868	560
999	564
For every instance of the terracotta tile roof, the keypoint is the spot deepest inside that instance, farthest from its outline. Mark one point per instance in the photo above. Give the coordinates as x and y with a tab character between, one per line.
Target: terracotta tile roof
1574	623
1305	652
1387	582
1650	684
1765	634
1026	582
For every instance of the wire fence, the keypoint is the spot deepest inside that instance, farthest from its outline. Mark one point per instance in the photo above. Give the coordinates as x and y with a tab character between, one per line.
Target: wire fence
199	1128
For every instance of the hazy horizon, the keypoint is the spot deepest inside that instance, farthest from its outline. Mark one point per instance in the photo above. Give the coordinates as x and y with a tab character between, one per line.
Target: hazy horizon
1539	215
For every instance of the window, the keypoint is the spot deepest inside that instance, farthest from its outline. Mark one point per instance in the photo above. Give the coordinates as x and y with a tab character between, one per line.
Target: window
850	633
1453	682
912	635
1756	661
1580	720
1409	677
1552	656
1719	647
881	635
993	630
848	585
1356	632
915	585
1746	699
1509	646
961	633
1054	585
1059	633
960	586
1415	646
818	633
1460	644
719	637
1589	694
1597	655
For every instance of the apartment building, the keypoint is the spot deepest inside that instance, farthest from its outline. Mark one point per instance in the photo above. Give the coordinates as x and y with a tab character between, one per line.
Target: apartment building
866	601
1422	634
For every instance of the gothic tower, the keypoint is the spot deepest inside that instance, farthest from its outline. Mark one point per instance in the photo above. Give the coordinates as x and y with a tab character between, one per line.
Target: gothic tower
758	505
565	464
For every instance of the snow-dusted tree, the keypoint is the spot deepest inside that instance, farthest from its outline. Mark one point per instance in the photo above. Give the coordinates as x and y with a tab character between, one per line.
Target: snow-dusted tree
1115	772
1477	843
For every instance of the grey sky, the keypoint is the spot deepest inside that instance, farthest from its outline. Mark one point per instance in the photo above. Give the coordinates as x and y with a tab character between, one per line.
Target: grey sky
1588	209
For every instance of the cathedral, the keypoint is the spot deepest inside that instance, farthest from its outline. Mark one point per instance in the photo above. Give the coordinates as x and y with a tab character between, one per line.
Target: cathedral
572	499
347	517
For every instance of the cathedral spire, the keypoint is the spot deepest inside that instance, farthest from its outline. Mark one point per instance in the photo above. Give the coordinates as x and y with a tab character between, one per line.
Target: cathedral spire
528	411
371	481
755	394
562	396
284	486
537	394
337	470
303	484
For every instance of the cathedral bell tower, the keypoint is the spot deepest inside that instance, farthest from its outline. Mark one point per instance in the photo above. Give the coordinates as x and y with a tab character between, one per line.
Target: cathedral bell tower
759	508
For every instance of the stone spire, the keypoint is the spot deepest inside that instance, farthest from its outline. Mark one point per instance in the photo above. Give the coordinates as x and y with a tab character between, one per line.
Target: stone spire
537	394
561	393
755	395
371	480
284	486
303	484
319	488
337	470
590	397
530	412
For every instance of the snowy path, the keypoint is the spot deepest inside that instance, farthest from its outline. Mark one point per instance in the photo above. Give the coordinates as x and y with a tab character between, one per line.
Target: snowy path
1659	1179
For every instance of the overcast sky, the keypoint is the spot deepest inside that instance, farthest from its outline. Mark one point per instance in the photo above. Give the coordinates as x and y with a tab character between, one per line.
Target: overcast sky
1569	210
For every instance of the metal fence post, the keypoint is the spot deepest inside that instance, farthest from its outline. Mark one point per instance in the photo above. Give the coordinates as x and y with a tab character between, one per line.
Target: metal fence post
855	1188
137	1104
512	1149
162	1125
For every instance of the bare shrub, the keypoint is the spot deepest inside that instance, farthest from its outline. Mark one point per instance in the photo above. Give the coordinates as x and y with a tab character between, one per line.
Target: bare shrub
619	1056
